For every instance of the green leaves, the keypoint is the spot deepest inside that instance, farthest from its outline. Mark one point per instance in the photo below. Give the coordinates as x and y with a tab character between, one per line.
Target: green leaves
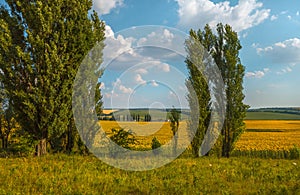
224	47
42	46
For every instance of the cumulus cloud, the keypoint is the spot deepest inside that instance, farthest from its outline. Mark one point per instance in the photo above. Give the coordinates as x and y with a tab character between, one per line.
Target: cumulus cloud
139	80
105	6
121	53
125	89
285	70
286	52
197	13
257	74
274	17
160	65
142	71
162	37
119	86
154	83
115	46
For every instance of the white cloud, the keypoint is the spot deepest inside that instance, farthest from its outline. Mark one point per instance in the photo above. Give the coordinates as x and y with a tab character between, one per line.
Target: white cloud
105	6
154	83
285	70
289	17
284	12
168	35
125	90
254	45
162	66
255	74
163	36
274	17
142	71
102	85
244	35
117	85
109	33
197	13
116	46
297	14
286	52
139	80
121	53
266	70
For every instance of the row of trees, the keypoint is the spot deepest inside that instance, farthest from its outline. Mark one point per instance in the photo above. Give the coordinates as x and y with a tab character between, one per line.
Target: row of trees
42	46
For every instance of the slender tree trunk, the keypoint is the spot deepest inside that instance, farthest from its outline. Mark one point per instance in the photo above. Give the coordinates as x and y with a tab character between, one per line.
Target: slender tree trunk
6	141
41	147
3	142
70	137
175	145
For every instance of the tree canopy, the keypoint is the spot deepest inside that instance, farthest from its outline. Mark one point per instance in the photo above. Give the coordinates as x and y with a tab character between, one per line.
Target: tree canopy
42	46
224	47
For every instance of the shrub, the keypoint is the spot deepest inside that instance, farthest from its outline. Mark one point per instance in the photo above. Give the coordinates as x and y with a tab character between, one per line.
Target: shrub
122	138
155	144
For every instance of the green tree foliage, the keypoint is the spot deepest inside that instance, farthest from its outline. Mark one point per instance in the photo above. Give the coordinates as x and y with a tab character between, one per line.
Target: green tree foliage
122	138
7	121
226	56
174	118
148	118
155	143
199	96
42	45
224	48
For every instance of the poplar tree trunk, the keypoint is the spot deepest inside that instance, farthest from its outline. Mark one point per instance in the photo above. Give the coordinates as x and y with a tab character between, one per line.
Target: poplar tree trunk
41	147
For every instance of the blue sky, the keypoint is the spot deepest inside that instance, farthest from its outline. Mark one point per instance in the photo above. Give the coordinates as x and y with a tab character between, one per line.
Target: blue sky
142	76
268	31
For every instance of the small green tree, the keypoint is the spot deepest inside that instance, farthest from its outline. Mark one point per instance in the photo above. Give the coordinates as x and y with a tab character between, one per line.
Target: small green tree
155	144
122	138
174	118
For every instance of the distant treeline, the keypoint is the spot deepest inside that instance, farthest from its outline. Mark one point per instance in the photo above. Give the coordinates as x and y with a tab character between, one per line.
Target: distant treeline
285	110
142	114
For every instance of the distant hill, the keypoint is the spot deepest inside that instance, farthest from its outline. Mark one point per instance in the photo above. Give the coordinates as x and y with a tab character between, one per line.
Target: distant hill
288	113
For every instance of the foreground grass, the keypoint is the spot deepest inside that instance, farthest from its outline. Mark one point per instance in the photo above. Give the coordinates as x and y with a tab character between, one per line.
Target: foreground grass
62	174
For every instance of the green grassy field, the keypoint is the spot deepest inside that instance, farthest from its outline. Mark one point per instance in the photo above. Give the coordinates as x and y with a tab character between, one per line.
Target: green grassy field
62	174
271	116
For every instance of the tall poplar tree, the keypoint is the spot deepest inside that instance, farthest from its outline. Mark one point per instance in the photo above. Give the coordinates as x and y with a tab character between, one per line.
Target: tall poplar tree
226	56
42	46
199	96
224	47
